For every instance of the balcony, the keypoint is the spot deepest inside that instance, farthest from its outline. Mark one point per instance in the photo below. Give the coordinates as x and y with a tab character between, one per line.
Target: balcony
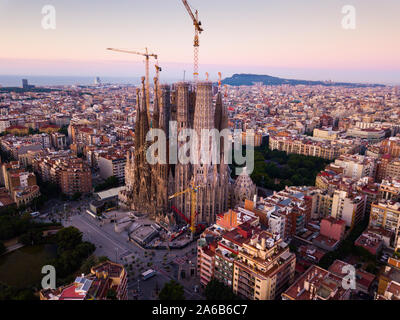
246	282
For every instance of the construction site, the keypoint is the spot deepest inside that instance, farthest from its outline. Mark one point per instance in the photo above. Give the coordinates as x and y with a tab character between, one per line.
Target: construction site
146	232
169	204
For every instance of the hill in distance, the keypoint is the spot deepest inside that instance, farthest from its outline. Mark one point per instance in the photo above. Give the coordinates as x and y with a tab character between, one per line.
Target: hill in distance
244	79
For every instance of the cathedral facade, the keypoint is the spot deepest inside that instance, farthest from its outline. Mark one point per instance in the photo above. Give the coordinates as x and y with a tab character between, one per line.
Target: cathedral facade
149	186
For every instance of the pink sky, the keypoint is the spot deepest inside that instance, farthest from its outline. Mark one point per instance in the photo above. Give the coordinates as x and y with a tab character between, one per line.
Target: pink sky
268	36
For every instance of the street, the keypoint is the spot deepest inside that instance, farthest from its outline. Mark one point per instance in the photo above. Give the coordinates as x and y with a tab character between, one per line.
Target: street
117	248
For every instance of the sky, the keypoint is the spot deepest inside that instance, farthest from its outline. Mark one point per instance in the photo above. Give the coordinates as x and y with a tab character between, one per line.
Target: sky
301	39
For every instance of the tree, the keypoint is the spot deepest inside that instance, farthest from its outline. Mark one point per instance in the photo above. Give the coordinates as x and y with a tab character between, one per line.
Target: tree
293	169
64	130
110	182
292	247
172	290
49	189
33	131
2	248
76	196
11	293
90	262
216	290
68	238
31	237
111	294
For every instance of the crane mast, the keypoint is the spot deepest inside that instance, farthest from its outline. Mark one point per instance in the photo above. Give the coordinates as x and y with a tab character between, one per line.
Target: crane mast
193	200
147	55
197	30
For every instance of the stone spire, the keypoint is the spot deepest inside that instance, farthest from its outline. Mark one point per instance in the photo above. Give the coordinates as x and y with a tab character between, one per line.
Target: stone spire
156	112
137	120
165	108
144	120
221	116
204	110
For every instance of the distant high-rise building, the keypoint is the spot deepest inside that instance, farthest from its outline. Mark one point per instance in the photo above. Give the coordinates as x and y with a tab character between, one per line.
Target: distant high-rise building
97	81
25	84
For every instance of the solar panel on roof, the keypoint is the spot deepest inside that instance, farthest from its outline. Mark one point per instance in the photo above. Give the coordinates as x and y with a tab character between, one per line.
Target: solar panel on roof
285	202
79	280
86	285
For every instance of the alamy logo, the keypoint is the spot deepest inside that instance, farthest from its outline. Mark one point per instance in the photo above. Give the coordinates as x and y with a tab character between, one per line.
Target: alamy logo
189	146
49	280
49	18
349	20
349	280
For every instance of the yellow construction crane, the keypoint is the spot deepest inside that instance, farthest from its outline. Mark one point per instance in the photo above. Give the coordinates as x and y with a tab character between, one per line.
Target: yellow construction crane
197	30
147	55
193	201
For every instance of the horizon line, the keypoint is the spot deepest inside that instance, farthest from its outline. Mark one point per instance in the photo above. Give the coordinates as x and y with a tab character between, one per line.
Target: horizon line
172	78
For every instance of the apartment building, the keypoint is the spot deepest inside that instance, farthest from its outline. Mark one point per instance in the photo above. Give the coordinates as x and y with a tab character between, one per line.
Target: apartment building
356	166
317	284
391	146
107	280
392	292
25	195
75	177
392	169
349	207
255	263
72	174
219	244
264	267
285	213
14	176
390	189
391	273
310	146
373	135
112	165
322	206
325	133
4	124
386	214
58	140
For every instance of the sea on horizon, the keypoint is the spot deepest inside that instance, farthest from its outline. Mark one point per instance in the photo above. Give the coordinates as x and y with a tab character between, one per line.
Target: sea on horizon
16	80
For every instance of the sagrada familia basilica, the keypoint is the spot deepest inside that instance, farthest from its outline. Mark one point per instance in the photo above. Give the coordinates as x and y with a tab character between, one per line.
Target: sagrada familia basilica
148	186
